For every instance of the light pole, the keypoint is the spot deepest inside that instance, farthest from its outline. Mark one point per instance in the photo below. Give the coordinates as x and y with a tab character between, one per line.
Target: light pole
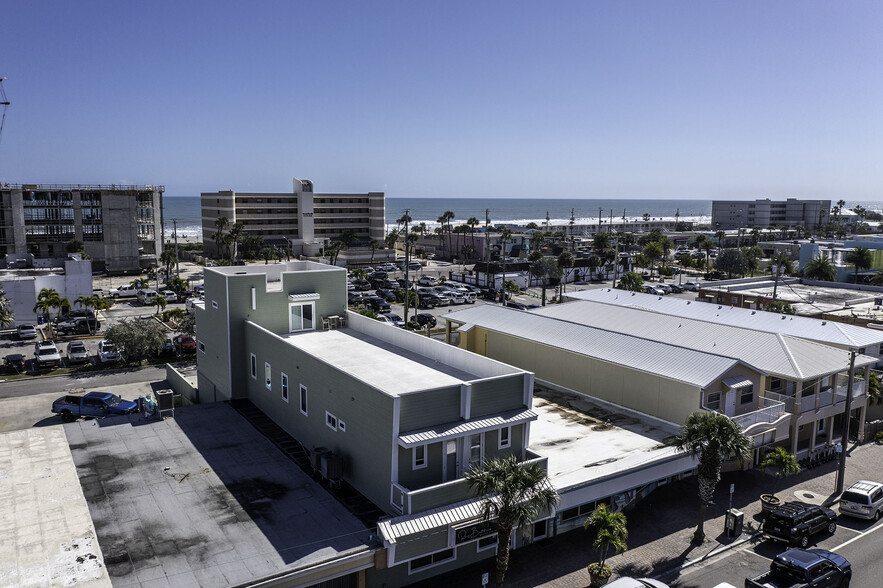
844	440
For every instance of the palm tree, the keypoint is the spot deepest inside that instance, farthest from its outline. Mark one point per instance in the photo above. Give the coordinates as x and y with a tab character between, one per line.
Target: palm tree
631	281
472	223
514	495
780	263
840	205
801	230
877	280
7	317
653	252
160	303
565	262
720	238
707	245
169	258
611	532
820	268
593	263
713	438
601	241
236	236
392	238
374	244
783	462
544	268
221	224
860	258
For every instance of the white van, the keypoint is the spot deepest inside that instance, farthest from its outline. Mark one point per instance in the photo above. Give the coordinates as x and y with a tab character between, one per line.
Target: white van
146	297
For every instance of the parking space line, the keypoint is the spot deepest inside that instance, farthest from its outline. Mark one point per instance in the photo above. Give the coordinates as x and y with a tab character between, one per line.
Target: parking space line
750	550
849	529
857	537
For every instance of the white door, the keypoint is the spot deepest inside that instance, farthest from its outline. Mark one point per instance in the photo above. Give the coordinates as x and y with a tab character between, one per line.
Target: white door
730	402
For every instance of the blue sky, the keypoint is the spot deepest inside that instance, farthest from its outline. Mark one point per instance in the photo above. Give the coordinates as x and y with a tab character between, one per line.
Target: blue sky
449	99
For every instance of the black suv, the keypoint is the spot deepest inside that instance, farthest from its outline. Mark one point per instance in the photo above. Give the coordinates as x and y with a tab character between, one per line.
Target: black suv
422	320
795	522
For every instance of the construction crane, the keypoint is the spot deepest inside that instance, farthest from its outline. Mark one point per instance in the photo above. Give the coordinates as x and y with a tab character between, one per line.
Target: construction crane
5	104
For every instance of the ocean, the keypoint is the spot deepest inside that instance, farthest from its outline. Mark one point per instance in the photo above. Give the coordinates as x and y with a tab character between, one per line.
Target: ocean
500	210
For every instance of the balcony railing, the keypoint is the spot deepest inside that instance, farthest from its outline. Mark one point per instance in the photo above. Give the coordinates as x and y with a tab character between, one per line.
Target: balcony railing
787	400
412	501
771	410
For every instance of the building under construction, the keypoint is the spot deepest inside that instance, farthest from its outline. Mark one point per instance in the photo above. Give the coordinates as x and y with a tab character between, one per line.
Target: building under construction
120	226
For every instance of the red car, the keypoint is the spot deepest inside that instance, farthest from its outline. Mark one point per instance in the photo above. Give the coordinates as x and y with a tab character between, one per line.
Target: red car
185	344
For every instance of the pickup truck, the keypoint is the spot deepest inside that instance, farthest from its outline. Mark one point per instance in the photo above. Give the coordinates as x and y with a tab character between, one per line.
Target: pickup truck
93	404
124	292
800	568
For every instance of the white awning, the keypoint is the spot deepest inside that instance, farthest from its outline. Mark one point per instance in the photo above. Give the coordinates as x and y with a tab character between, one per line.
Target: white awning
738	382
303	297
461	428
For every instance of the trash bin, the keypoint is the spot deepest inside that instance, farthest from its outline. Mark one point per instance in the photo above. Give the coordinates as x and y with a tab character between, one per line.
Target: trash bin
734	522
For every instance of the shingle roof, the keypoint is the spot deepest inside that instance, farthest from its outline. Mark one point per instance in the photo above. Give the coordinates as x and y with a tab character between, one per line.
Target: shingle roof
679	363
460	428
823	331
781	355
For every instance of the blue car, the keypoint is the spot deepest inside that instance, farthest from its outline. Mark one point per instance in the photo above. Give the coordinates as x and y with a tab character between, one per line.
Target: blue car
93	404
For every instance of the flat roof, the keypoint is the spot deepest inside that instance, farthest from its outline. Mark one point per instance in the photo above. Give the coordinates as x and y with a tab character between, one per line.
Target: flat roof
806	299
386	367
588	442
204	499
814	329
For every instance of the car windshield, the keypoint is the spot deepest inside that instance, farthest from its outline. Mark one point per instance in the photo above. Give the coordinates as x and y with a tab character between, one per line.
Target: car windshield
113	400
109	348
394	317
77	348
47	351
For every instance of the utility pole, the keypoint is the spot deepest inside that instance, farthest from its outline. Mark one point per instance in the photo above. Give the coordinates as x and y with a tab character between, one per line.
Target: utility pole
487	248
177	267
548	227
600	210
407	263
844	441
610	224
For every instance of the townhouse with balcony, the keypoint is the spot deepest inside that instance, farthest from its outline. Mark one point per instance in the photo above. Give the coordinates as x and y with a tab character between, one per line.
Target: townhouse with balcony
397	416
781	389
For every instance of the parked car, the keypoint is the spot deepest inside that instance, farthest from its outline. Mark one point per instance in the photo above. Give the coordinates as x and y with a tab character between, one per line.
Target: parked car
430	298
864	500
691	286
388	267
80	325
377	304
146	296
654	290
190	304
26	332
392	318
46	354
167	349
626	582
405	284
796	522
93	404
422	320
799	568
362	285
676	288
169	295
355	298
518	305
666	289
127	291
456	296
427	281
107	352
414	266
76	353
14	363
199	290
377	275
185	344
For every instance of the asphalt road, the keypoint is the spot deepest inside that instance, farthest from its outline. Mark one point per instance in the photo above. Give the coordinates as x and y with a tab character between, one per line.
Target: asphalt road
857	540
62	384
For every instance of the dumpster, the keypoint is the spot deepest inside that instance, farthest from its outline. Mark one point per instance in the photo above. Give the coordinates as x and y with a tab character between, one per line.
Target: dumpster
734	522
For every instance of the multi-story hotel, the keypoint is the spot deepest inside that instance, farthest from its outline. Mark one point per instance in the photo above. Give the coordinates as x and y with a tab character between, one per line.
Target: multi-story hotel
120	226
302	220
737	214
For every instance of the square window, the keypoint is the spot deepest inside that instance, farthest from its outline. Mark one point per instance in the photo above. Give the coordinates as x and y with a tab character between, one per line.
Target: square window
268	376
285	387
746	395
505	437
214	303
714	400
419	456
303	400
341	426
330	420
254	366
201	346
487	542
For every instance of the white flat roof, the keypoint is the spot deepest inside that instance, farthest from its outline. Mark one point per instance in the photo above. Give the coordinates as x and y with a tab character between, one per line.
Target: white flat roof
388	368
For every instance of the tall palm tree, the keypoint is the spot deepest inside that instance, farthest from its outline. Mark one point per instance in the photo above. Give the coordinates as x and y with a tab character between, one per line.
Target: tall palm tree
160	303
601	241
820	268
374	244
391	238
784	463
611	532
566	260
236	236
713	438
169	258
472	223
513	495
780	264
720	238
7	317
801	230
448	216
221	225
860	258
653	252
544	268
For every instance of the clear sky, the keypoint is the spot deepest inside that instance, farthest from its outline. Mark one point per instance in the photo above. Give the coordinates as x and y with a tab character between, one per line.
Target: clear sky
586	99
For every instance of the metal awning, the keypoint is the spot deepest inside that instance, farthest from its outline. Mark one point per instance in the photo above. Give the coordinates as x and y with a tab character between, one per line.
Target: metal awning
403	526
738	382
749	300
302	297
461	428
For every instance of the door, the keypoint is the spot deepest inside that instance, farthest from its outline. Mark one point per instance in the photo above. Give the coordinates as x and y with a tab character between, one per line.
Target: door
730	402
451	470
540	529
472	446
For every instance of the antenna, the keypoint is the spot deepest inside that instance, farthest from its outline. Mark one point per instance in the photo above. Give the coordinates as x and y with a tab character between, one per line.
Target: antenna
4	102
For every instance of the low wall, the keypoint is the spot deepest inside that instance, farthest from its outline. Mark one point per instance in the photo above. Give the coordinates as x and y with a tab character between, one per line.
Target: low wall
183	382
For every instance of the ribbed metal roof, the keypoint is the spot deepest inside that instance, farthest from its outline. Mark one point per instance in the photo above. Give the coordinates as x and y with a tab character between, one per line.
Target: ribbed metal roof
459	512
697	368
823	331
460	428
781	355
738	382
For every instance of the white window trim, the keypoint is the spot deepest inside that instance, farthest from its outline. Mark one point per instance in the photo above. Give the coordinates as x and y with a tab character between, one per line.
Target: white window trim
283	383
433	564
414	464
493	545
341	426
328	417
311	304
303	399
254	366
268	375
214	303
201	346
508	442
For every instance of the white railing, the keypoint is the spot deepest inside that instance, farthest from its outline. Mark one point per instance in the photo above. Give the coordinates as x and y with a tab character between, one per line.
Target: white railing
771	411
787	400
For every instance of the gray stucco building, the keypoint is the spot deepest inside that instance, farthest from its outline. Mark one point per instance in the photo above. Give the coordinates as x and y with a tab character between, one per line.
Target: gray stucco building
737	214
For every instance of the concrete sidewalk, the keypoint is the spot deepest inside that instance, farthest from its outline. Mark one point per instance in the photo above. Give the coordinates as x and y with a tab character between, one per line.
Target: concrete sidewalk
661	527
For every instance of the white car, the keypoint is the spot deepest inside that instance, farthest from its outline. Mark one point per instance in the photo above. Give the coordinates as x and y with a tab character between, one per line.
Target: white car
691	286
427	281
46	354
626	582
388	267
864	500
169	295
76	352
26	332
107	352
190	304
